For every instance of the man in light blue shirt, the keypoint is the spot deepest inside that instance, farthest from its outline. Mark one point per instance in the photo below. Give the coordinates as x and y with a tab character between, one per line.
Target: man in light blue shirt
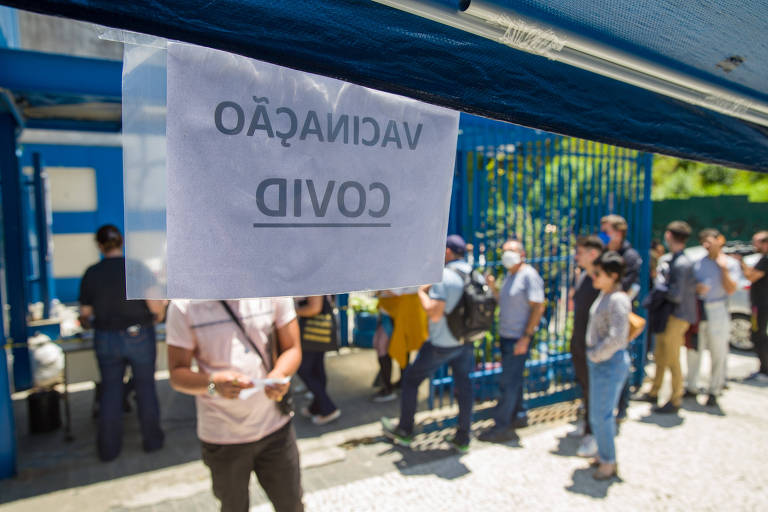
716	277
521	304
441	348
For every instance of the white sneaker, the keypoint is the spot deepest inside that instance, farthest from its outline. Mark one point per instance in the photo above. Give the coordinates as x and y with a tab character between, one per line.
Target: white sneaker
578	431
322	420
588	447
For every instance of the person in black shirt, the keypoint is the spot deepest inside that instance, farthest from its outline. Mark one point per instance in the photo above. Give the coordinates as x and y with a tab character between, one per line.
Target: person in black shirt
124	334
615	227
588	249
758	294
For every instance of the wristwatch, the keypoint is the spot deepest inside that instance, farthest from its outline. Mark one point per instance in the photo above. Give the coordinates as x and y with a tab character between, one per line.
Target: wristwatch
211	388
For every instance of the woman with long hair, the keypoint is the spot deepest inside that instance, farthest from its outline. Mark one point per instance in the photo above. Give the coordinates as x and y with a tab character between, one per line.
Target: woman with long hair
608	359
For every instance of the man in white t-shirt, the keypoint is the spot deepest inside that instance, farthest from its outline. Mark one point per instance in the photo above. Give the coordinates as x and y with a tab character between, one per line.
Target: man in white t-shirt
241	427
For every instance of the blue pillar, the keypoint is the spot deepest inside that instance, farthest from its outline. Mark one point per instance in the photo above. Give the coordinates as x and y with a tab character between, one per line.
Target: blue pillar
644	248
16	256
43	223
7	426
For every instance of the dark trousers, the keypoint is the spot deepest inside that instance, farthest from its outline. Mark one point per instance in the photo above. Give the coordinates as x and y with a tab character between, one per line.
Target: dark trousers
579	359
430	358
621	412
760	337
312	372
274	459
511	383
115	350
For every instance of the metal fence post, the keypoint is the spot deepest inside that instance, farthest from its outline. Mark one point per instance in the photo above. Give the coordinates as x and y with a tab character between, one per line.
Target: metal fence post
16	256
8	165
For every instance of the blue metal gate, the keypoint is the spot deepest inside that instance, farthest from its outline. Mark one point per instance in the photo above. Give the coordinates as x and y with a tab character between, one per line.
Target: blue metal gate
545	190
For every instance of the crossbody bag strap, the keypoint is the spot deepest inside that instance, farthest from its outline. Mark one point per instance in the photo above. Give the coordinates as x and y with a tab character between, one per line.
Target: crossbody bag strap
237	321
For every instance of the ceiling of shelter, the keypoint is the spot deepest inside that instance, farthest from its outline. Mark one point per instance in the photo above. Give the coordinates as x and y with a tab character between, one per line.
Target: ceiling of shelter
720	43
725	41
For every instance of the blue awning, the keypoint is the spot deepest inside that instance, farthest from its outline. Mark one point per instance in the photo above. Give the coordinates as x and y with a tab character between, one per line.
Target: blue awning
669	76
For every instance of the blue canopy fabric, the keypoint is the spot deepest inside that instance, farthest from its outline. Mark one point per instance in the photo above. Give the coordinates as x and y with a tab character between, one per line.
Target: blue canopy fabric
377	46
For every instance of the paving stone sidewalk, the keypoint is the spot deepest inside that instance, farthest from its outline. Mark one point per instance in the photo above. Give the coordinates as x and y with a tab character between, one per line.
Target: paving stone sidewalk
703	459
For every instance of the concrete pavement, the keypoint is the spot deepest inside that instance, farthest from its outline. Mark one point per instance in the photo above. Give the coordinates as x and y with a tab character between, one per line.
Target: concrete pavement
705	459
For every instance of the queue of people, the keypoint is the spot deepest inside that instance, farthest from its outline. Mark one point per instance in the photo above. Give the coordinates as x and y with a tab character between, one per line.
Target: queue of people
246	351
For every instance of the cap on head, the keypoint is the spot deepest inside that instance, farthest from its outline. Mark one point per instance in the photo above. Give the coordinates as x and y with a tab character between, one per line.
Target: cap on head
456	244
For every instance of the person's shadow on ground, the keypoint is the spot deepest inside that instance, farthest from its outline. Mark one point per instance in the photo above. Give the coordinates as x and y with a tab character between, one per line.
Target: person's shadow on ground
695	406
447	466
662	420
583	483
567	446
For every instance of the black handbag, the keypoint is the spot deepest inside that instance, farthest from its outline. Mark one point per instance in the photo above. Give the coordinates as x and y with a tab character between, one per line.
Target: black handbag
285	406
320	333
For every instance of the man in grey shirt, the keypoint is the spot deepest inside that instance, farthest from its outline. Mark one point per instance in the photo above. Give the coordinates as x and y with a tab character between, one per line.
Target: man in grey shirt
716	278
521	304
441	348
675	275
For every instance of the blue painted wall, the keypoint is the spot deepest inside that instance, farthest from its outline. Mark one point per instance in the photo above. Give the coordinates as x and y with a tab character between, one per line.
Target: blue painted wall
108	165
9	28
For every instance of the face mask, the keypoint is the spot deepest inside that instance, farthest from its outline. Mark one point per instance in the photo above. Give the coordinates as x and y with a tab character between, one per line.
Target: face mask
604	237
510	258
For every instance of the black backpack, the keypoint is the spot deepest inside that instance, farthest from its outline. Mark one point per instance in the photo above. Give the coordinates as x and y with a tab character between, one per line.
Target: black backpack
473	315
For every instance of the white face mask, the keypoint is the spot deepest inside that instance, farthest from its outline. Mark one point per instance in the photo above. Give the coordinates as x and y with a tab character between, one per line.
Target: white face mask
510	258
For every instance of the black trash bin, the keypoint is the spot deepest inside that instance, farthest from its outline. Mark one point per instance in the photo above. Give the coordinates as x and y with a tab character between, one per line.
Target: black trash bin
44	412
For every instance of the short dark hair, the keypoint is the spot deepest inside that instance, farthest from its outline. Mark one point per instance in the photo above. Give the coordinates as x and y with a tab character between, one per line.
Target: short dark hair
109	237
709	232
611	262
680	230
590	242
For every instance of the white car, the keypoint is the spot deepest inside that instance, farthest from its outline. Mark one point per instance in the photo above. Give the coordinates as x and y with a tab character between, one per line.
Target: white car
739	304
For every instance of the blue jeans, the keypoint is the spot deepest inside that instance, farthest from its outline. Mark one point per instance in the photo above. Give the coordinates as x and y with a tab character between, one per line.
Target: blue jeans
312	372
606	383
115	350
430	358
511	384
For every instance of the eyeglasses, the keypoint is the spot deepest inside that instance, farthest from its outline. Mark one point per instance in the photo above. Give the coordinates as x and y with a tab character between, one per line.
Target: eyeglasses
596	273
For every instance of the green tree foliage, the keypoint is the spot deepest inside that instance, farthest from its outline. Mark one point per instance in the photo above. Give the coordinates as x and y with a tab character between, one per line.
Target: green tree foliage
681	179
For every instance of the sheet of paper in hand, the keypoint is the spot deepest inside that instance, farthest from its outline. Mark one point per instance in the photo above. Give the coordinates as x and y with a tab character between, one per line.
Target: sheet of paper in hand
286	183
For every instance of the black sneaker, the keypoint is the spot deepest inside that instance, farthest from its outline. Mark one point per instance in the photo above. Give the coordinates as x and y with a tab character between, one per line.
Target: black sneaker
645	397
395	433
668	408
712	401
384	395
520	422
498	435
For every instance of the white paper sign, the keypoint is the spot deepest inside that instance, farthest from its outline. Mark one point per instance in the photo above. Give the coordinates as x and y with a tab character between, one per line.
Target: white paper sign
285	183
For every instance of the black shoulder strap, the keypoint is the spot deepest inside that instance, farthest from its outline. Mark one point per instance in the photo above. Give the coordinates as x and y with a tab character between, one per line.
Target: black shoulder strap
237	321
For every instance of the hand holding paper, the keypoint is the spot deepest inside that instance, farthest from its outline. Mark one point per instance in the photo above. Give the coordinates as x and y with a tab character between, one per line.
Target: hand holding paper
229	383
265	384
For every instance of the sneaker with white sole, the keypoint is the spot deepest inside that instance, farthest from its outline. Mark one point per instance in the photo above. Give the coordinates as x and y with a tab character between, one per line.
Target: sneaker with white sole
322	420
588	447
395	433
384	396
